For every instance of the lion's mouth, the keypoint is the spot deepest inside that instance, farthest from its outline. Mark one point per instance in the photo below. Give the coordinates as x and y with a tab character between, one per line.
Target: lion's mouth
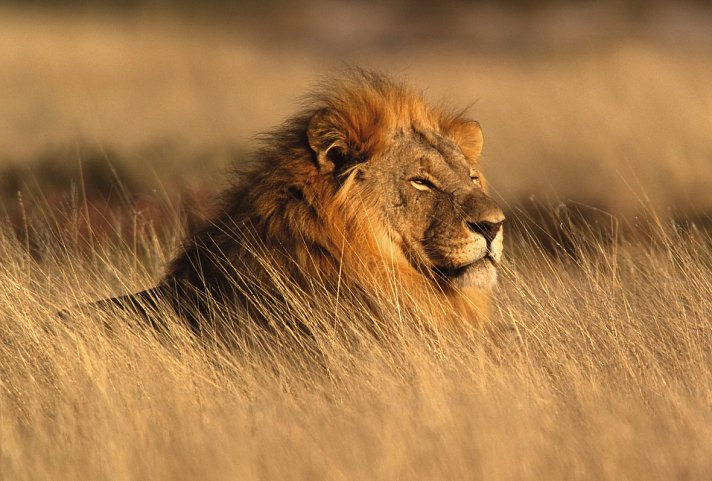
452	271
475	272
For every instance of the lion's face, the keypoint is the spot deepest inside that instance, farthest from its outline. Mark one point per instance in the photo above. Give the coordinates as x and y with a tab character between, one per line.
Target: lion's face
416	169
433	204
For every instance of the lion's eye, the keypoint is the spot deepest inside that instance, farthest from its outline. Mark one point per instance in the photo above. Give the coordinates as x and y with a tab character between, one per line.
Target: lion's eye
421	183
476	180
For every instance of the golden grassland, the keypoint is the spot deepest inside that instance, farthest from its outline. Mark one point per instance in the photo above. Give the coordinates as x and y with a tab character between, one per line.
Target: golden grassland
595	366
596	363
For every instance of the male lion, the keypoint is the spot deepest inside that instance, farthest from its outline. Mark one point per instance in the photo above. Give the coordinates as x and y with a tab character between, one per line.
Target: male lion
369	193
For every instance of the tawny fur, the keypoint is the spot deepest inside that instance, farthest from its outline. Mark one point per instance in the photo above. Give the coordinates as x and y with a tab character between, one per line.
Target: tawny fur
301	217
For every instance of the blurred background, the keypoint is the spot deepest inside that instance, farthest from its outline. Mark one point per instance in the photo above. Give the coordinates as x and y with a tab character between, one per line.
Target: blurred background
140	104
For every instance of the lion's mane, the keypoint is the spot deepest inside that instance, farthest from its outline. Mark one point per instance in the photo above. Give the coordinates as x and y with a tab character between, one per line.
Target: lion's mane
290	225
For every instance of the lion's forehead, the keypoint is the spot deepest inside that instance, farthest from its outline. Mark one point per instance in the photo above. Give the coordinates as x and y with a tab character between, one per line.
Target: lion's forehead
435	154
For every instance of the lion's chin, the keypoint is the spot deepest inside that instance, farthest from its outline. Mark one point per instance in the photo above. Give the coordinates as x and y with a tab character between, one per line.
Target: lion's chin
481	274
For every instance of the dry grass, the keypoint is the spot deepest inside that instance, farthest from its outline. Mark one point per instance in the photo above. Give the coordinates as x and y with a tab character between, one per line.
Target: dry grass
596	367
597	362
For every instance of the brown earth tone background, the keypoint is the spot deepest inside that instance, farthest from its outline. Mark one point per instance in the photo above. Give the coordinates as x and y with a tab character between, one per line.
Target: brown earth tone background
605	105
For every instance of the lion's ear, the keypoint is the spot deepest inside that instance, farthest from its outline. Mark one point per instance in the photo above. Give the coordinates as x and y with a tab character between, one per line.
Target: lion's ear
327	141
468	135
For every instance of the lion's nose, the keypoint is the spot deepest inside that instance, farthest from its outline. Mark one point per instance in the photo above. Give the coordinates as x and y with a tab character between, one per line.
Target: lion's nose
488	230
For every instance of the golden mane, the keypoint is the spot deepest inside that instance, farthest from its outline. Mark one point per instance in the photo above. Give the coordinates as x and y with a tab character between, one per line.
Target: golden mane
362	111
299	220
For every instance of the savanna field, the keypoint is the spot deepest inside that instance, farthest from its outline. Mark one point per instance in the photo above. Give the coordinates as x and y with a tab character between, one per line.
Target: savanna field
117	129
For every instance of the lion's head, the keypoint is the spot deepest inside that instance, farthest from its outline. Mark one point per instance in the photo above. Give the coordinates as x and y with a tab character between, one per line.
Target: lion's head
416	169
367	186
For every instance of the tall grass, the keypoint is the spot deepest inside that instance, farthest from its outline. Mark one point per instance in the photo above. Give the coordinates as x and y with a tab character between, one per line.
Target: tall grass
595	366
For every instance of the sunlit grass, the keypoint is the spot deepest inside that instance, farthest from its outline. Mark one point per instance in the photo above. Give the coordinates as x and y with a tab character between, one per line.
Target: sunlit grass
596	365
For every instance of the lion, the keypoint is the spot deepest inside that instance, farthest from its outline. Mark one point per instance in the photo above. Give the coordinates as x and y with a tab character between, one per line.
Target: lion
367	188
